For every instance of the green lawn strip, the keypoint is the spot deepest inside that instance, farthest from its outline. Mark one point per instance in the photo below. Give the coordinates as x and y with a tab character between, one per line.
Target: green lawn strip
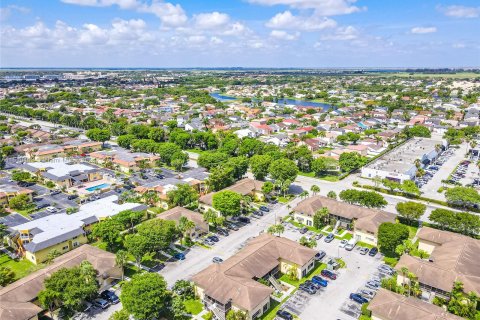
21	268
299	225
315	271
391	261
412	231
363	244
193	306
272	311
347	236
326	177
206	316
131	270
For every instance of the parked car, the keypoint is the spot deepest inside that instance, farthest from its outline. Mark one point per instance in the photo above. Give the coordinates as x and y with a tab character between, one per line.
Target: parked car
329	238
372	285
72	196
179	256
308	289
320	281
101	303
358	298
231	226
282	314
41	206
343	243
258	213
51	209
222	232
217	260
85	306
351	244
373	252
243	219
208	242
303	230
363	251
328	274
264	209
274	201
320	255
368	294
110	296
312	284
55	192
214	238
318	236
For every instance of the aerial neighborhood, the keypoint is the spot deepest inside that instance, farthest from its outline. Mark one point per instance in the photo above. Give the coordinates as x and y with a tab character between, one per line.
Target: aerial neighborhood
239	195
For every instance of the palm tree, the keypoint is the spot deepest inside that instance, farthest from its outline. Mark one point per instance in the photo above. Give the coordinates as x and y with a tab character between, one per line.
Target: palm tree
303	194
151	197
185	226
315	189
121	260
404	271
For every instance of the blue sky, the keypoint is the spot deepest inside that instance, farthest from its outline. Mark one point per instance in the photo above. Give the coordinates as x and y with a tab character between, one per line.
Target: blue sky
244	33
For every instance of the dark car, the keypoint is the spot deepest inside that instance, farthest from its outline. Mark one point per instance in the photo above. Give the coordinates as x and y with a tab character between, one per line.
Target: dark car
373	252
318	236
110	296
179	256
303	230
217	260
320	255
258	213
358	298
231	226
328	274
214	238
274	201
264	209
42	205
72	196
282	314
101	303
55	192
320	281
243	219
308	289
25	184
329	238
312	284
222	232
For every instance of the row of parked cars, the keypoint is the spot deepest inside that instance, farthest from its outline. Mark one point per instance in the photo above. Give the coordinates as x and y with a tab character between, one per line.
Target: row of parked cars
366	294
433	168
106	299
460	172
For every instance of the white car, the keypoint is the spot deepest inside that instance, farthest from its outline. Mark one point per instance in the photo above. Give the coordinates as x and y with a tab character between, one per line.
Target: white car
351	244
343	243
51	209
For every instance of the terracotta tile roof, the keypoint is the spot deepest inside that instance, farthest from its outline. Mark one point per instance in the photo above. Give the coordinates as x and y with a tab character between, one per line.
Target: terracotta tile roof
243	187
388	305
176	213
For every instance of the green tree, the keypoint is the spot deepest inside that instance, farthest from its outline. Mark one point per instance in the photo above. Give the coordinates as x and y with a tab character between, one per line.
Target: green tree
267	188
121	260
108	231
350	161
49	299
238	165
315	189
410	188
52	254
178	310
369	199
22	176
100	135
284	172
159	233
138	246
185	227
304	241
276	229
20	202
129	218
166	150
184	289
220	178
179	159
461	304
320	218
209	159
332	195
227	202
146	296
417	131
390	235
6	276
72	286
183	195
465	197
390	184
323	165
411	210
120	315
259	165
236	315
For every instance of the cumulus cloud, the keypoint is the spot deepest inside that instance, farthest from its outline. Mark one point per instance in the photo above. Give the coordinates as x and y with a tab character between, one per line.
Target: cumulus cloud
171	15
211	20
286	20
321	7
423	30
455	11
124	4
7	11
283	35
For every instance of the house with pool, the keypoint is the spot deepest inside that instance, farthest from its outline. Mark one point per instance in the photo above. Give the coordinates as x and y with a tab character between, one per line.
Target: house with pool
63	232
81	178
123	160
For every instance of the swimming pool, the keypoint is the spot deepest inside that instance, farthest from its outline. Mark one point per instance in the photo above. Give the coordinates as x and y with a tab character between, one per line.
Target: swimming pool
98	187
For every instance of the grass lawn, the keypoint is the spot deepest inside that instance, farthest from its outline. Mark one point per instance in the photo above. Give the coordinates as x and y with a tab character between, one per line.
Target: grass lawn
21	268
194	151
347	236
315	271
326	177
207	316
390	261
193	306
363	244
412	231
299	225
130	271
272	312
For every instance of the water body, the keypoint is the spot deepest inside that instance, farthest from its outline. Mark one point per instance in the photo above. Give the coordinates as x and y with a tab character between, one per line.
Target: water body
302	103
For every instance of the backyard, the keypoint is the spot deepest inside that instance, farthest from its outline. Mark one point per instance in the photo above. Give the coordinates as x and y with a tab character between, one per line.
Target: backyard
21	268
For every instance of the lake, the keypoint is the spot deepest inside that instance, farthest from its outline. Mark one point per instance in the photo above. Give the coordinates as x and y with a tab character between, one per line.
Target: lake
302	103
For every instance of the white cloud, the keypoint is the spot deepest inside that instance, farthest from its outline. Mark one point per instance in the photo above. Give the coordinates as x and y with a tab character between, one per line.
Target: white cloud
342	34
283	35
321	7
459	45
460	11
211	20
286	20
423	30
6	12
170	14
216	40
124	4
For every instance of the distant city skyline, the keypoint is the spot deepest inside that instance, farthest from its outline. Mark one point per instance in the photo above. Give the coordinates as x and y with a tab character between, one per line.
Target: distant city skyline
248	33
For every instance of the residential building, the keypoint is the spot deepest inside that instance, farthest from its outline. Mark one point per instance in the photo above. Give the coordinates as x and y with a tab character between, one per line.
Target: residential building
233	284
18	301
123	160
8	191
452	258
175	214
245	187
387	305
64	174
400	163
365	221
48	152
63	232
